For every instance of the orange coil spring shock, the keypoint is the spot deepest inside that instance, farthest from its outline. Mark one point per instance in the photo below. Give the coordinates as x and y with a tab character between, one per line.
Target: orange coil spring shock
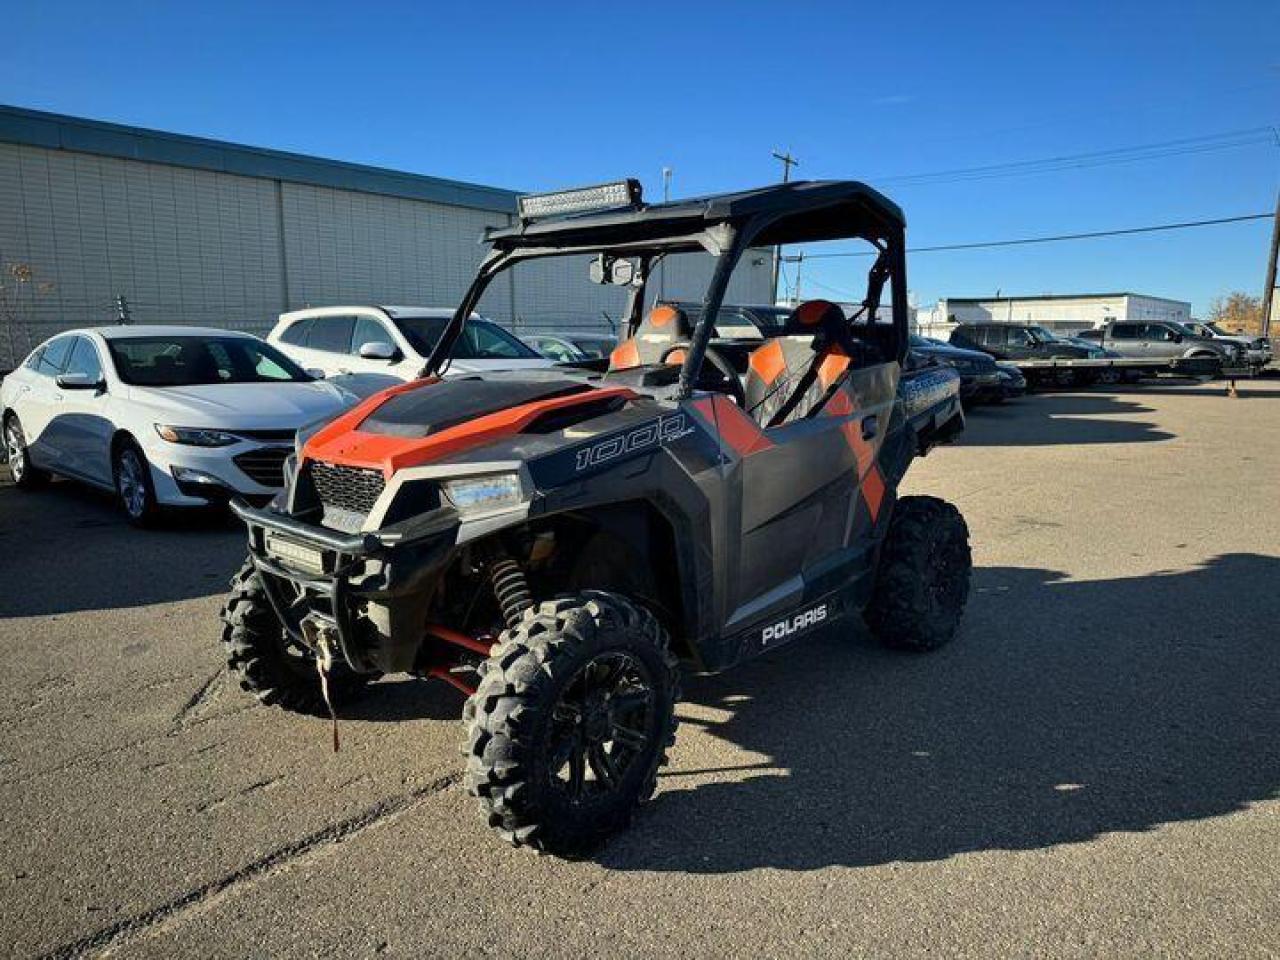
511	589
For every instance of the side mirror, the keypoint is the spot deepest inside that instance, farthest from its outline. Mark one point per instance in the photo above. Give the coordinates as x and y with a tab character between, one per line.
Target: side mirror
379	350
79	381
315	373
1177	338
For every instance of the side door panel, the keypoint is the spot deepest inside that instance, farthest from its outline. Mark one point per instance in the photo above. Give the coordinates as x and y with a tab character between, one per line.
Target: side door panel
803	487
88	427
42	405
367	330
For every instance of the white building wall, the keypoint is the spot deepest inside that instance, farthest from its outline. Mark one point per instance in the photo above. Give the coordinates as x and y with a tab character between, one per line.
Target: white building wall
1057	313
196	246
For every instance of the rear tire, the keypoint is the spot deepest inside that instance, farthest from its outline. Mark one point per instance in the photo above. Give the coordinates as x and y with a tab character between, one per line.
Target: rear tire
922	583
267	662
572	718
25	475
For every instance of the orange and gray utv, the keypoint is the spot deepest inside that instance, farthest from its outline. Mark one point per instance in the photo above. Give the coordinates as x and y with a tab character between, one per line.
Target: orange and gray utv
556	543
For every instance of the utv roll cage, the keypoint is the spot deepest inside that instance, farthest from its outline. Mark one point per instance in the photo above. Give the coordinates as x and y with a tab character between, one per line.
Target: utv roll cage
723	225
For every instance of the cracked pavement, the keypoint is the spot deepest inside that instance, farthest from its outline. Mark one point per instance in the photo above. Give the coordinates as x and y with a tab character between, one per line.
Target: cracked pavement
1092	768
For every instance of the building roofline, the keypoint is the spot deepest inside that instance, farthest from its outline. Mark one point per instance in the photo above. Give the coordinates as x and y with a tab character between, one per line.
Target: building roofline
56	131
1061	296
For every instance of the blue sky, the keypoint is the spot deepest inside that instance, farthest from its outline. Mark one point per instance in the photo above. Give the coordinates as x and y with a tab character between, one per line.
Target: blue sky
535	96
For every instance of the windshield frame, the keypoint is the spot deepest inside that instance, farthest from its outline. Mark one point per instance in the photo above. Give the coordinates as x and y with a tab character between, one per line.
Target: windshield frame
725	226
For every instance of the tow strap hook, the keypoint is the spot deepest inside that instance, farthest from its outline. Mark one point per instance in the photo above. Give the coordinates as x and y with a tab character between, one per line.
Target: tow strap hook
319	635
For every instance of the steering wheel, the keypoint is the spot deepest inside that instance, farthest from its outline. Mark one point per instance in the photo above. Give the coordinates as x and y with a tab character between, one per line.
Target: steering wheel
729	382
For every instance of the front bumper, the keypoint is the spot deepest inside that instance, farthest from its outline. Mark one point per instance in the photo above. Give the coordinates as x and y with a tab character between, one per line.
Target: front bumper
185	475
373	588
980	386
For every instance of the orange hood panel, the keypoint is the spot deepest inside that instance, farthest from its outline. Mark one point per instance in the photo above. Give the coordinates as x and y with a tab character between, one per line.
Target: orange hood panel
342	442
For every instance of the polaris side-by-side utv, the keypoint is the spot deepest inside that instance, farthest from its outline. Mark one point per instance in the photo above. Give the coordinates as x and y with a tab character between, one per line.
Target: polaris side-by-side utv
554	543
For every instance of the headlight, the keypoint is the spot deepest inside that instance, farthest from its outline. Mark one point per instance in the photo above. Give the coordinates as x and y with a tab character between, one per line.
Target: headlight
498	491
196	436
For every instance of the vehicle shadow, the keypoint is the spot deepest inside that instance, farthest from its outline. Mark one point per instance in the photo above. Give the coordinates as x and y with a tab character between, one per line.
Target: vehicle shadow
1060	418
68	547
1065	710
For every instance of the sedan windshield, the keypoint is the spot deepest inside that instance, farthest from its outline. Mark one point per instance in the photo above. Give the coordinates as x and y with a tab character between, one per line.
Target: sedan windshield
194	360
480	339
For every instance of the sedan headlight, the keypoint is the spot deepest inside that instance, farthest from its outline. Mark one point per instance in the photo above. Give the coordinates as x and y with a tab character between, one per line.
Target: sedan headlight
196	436
498	491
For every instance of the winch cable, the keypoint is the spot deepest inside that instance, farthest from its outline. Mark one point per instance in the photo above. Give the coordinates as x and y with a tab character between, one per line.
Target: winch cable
324	663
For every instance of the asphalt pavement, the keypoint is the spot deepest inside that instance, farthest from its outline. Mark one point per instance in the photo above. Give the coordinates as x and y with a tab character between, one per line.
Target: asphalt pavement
1090	769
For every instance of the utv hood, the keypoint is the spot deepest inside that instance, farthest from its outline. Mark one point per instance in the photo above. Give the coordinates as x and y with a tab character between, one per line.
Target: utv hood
426	421
430	409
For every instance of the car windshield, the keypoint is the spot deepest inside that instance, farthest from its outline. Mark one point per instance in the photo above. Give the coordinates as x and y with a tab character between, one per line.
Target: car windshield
1214	328
919	341
186	361
480	340
1041	334
594	348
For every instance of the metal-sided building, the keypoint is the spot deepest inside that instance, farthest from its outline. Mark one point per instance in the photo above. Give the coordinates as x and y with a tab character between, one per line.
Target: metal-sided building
1060	312
198	231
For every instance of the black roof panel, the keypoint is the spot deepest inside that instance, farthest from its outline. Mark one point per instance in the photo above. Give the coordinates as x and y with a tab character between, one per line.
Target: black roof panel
798	212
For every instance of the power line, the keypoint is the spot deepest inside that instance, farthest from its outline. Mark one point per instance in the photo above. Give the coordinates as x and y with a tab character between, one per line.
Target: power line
1021	241
1152	151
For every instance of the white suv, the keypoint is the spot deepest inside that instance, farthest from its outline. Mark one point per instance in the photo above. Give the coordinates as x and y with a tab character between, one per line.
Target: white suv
394	341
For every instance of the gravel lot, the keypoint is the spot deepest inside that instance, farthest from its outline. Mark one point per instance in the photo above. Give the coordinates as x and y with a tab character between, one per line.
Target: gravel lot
1092	768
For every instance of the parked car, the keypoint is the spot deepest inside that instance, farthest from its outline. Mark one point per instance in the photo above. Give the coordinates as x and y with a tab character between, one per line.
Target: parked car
1257	350
1185	350
164	416
394	342
1013	341
741	321
1012	383
1102	376
572	347
979	375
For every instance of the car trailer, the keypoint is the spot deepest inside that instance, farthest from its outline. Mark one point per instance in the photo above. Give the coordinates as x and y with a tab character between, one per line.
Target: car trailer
1065	372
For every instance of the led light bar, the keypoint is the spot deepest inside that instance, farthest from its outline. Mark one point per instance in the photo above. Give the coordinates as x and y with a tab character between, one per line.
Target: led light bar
603	196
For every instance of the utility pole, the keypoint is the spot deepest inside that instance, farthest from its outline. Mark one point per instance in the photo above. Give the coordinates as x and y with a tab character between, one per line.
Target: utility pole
788	161
798	260
1269	288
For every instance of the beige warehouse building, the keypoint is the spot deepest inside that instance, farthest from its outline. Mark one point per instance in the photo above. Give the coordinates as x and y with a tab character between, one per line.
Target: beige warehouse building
198	231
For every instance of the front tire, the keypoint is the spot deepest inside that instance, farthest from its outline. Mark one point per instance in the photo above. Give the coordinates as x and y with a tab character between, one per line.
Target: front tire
25	475
922	583
265	659
134	489
572	718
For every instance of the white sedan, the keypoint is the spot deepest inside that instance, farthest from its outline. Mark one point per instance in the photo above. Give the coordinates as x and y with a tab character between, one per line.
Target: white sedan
164	416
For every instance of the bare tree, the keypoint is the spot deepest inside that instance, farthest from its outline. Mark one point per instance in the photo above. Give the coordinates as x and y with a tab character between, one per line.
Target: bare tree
18	290
1237	312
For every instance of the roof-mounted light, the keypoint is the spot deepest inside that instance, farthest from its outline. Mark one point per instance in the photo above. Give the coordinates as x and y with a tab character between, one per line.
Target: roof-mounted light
603	196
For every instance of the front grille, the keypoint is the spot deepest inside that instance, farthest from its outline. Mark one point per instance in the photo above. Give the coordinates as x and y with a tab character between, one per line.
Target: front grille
349	489
264	465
